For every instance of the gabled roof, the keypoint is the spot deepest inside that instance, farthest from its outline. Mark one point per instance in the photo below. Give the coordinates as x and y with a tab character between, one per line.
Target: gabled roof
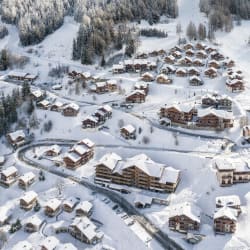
228	200
85	206
35	220
186	208
70	201
53	203
130	128
14	135
23	245
110	160
29	196
226	212
9	171
27	177
50	243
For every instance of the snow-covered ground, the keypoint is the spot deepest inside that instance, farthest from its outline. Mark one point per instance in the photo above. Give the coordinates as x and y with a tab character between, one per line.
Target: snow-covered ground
198	178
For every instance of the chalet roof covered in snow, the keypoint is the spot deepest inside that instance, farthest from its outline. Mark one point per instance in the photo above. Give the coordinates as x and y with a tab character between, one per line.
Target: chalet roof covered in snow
137	91
66	246
85	206
87	142
70	201
35	220
53	204
226	212
54	148
218	113
130	128
50	243
90	118
29	196
74	157
9	171
186	208
37	93
17	134
228	200
110	160
73	106
170	175
27	177
79	149
17	74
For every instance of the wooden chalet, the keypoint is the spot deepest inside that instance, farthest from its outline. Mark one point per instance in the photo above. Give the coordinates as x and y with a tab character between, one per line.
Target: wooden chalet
195	80
200	46
231	201
164	79
26	180
179	114
211	72
232	171
192	71
176	48
112	85
142	86
201	54
169	59
177	55
17	138
147	77
90	122
28	200
69	204
21	76
56	106
44	104
84	208
198	62
83	229
186	61
37	95
71	109
52	207
118	69
33	224
214	64
181	72
190	52
217	56
225	220
100	87
235	85
184	217
229	63
136	96
8	176
145	55
214	119
128	132
53	150
188	46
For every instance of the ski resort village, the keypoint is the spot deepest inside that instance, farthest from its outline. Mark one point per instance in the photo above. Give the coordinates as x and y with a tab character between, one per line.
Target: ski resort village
124	125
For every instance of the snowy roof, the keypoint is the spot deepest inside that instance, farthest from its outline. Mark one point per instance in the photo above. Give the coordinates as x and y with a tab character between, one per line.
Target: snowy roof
183	107
107	108
70	201
147	74
130	128
35	220
197	78
110	160
100	84
145	164
143	199
226	212
112	82
55	148
181	70
50	243
228	200
170	175
234	81
91	118
86	74
9	171
27	177
162	76
188	209
53	204
86	226
85	206
211	69
17	73
37	93
67	246
31	76
224	164
209	96
193	69
73	106
139	85
79	149
171	57
44	103
214	61
73	156
19	133
137	91
23	245
218	113
87	142
2	159
58	104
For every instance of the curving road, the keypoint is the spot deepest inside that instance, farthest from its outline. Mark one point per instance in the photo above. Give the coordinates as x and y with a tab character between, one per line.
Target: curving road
156	233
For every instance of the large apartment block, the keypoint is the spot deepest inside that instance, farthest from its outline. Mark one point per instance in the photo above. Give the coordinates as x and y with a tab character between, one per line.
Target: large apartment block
139	171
